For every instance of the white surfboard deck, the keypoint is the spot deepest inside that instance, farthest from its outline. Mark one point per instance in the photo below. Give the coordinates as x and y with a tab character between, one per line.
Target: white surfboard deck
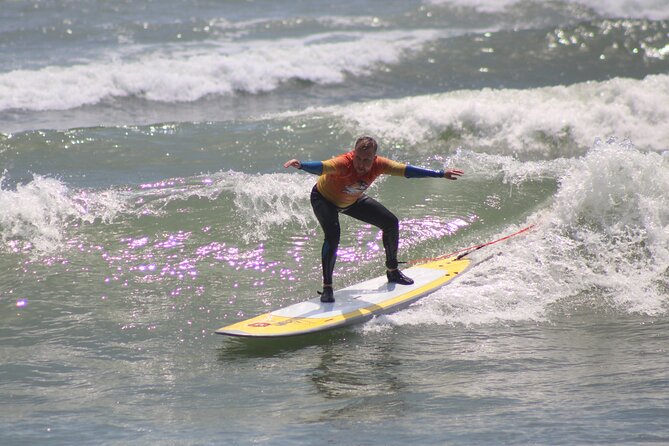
354	304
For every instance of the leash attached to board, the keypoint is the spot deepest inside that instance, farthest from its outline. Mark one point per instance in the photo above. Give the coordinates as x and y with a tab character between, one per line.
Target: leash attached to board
461	253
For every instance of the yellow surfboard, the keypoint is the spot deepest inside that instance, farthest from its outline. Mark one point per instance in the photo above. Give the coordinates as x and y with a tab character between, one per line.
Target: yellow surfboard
357	303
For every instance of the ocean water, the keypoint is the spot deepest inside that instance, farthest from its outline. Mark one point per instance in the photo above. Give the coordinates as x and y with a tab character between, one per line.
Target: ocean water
143	205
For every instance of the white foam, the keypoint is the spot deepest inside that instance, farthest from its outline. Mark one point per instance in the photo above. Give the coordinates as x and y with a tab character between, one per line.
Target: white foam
264	203
612	216
603	243
548	122
651	9
485	6
189	73
35	215
272	200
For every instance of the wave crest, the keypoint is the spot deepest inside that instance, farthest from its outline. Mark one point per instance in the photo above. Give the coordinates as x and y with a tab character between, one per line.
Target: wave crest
185	74
36	214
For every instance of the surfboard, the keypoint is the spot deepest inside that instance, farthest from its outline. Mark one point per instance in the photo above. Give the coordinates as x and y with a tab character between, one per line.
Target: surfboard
354	304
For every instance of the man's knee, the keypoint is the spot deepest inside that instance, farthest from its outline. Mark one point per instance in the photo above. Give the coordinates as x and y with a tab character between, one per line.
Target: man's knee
392	223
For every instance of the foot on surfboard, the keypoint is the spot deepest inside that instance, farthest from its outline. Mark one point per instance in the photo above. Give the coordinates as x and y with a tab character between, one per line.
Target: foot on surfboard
396	276
327	295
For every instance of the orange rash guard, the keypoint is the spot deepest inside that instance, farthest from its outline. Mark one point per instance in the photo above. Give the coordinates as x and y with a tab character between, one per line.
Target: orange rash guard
342	186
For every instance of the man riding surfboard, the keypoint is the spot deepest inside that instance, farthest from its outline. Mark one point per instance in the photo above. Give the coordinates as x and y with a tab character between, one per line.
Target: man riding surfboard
341	185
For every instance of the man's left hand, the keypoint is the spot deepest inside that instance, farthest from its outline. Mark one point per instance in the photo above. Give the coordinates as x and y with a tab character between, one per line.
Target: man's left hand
453	174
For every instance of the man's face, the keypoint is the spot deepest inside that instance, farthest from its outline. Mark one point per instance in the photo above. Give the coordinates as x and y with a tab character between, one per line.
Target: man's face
363	160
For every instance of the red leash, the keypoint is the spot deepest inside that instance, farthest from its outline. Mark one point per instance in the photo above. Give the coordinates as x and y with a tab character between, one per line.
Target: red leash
463	252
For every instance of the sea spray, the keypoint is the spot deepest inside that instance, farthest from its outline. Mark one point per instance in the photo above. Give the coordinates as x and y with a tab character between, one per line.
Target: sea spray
268	202
603	243
36	214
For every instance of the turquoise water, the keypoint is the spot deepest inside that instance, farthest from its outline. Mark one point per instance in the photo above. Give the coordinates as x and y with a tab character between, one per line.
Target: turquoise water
144	205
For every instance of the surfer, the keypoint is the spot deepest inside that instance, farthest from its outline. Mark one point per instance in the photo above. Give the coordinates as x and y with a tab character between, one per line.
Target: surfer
341	186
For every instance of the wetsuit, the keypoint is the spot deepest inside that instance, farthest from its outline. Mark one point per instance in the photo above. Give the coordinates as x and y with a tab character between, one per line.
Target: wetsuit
340	189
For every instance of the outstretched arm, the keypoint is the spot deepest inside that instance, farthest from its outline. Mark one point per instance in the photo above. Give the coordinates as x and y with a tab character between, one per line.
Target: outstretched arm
419	172
315	167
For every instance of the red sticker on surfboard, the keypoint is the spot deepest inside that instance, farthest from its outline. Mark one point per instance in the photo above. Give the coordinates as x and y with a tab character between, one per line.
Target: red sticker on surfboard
260	324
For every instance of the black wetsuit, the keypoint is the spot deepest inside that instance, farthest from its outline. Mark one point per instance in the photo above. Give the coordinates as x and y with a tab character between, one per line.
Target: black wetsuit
366	209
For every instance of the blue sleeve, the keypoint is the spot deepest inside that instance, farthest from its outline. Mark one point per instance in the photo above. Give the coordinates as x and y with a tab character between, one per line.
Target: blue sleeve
419	172
315	167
